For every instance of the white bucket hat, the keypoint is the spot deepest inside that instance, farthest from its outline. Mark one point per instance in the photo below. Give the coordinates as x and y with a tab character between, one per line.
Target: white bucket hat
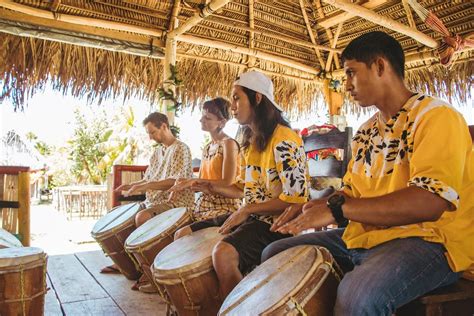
258	82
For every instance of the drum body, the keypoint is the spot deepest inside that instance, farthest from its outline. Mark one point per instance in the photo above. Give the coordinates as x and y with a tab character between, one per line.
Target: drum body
185	269
299	280
112	230
22	281
157	233
8	240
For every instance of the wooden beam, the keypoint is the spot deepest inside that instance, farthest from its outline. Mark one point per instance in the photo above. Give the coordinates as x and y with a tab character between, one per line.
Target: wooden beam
407	9
24	219
313	78
342	17
334	43
78	39
247	51
209	9
310	32
251	60
383	21
328	31
410	58
9	4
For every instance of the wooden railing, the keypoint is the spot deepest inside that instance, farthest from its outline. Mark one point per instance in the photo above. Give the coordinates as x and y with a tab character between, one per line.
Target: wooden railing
15	201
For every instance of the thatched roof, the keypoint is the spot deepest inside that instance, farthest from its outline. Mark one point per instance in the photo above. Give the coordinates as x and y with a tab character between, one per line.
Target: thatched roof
107	48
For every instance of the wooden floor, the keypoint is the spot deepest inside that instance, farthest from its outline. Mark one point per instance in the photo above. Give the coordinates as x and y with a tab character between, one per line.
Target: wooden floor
77	288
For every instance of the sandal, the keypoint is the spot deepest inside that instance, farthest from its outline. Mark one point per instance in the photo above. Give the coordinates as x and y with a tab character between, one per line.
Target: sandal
110	270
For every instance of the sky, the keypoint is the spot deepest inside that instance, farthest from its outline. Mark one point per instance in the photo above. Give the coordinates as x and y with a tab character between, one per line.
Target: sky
50	116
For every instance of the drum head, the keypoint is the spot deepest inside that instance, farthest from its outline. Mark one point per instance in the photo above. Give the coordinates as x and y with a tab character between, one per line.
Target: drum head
20	255
7	240
272	282
115	218
155	226
187	253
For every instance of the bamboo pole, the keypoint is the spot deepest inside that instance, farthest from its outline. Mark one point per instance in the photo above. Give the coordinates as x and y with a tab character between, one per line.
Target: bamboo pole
198	17
383	21
310	32
411	58
24	209
170	61
343	17
334	43
328	32
251	59
407	9
9	4
312	79
82	40
247	51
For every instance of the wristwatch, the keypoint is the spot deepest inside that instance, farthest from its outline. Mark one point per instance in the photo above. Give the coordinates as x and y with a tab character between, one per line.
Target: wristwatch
335	203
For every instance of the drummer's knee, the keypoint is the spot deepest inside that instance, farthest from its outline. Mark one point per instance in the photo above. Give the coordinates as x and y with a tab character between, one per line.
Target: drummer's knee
186	230
142	217
357	296
224	254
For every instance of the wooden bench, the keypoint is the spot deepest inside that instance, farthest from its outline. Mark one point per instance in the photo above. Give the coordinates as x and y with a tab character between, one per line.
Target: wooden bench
456	299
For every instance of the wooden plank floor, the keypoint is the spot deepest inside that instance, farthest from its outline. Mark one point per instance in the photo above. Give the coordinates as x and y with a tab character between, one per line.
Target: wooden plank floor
77	288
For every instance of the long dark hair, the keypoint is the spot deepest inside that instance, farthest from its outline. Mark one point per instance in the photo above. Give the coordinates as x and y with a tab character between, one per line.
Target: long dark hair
266	119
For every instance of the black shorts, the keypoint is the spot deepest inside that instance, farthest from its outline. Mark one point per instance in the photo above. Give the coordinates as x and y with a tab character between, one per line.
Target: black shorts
249	239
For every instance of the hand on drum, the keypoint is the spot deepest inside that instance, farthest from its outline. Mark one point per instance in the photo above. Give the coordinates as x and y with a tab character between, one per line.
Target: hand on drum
182	184
123	187
235	219
315	214
202	186
135	189
288	214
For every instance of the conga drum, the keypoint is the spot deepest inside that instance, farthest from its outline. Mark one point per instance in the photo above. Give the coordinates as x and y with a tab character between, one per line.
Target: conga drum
184	268
302	280
112	230
22	281
7	240
157	233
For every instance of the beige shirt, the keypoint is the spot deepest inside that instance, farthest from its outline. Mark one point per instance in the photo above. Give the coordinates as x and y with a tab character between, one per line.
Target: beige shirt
170	162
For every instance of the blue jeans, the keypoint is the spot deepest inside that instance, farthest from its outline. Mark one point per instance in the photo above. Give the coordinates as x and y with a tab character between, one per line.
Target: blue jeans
381	279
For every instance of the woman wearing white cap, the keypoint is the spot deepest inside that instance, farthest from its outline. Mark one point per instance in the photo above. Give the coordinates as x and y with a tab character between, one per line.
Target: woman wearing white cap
273	177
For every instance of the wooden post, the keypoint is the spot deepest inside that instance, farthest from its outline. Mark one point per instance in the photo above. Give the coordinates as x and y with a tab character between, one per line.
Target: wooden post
24	209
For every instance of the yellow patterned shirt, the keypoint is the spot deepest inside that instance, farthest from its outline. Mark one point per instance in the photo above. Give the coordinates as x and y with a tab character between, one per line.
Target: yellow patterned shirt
426	144
279	171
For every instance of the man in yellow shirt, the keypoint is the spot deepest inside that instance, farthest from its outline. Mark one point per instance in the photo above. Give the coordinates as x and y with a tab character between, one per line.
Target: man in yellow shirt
408	192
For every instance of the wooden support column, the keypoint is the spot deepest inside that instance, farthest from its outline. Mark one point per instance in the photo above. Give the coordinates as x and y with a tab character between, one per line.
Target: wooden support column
170	60
24	209
383	21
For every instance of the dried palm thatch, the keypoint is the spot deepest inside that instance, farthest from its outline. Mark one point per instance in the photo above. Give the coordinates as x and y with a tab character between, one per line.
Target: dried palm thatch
104	49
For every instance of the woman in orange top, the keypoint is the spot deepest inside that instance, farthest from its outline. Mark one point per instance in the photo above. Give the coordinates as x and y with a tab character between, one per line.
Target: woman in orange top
219	165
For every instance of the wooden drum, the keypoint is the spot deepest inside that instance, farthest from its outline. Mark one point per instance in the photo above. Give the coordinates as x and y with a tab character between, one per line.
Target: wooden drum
185	269
112	230
8	240
302	280
157	233
22	281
